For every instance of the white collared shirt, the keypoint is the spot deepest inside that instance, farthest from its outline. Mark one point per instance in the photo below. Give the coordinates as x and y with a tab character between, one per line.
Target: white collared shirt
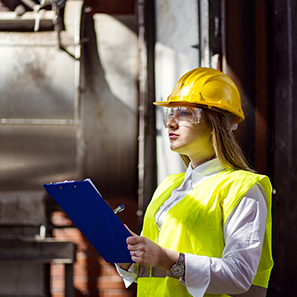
193	178
243	235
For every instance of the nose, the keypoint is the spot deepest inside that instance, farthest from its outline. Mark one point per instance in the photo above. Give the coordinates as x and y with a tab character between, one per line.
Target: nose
172	123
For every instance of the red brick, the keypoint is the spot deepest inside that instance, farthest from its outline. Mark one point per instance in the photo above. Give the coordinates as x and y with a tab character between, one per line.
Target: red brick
57	270
110	282
92	275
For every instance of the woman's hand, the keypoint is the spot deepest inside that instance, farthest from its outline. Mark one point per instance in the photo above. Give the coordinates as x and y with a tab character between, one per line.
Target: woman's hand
126	266
146	252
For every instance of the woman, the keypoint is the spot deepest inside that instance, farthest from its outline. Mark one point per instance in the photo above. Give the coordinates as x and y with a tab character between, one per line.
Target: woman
206	231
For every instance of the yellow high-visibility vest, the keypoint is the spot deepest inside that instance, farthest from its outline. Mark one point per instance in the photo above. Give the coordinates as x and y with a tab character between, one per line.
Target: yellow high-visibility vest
195	225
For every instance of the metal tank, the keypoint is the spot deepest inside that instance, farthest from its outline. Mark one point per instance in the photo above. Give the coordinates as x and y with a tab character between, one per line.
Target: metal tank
69	104
38	98
68	98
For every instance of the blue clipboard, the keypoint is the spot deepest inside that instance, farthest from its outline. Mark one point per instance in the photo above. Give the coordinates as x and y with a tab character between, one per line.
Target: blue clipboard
84	205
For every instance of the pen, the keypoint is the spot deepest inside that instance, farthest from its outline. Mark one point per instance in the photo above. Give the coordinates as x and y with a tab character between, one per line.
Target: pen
119	209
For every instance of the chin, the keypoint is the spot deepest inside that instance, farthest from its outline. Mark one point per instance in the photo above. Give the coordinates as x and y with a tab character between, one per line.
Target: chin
176	149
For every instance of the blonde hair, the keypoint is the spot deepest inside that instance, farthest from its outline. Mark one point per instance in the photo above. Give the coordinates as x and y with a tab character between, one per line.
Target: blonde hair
226	148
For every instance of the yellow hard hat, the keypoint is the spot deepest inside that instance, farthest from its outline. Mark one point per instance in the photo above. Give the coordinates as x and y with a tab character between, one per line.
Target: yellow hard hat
207	87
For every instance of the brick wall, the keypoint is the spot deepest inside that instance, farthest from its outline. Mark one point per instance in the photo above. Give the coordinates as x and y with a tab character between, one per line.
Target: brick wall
92	275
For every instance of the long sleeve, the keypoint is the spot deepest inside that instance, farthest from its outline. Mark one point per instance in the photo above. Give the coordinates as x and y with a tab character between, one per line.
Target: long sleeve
129	276
235	271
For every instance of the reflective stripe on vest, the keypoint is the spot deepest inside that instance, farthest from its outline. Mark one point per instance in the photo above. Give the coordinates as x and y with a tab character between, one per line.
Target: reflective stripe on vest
145	271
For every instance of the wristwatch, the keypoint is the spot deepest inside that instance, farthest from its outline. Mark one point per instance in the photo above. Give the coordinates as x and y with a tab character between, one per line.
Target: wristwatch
178	269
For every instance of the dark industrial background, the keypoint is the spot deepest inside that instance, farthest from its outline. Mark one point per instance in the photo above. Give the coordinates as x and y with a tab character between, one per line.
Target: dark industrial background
77	82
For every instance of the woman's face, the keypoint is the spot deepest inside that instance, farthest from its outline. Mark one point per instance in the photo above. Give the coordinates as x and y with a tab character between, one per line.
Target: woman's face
192	140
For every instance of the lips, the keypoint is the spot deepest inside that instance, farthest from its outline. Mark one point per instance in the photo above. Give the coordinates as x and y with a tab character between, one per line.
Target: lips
172	135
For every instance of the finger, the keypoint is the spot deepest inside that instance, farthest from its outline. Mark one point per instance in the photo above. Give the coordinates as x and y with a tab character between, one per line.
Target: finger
134	240
136	256
132	233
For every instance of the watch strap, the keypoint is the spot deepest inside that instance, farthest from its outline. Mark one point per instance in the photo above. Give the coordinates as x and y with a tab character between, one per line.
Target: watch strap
181	259
178	269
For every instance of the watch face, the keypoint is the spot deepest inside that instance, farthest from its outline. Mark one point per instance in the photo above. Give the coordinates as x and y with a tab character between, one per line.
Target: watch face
177	270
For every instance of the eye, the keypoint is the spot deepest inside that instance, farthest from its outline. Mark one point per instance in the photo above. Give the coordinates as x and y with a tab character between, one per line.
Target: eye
185	113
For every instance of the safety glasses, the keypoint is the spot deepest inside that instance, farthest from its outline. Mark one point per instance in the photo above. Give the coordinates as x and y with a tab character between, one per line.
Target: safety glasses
182	116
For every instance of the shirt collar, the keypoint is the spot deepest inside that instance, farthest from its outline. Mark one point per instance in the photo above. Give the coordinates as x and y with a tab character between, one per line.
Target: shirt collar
203	171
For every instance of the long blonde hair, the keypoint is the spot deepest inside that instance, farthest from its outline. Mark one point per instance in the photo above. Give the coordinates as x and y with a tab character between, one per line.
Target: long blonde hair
226	148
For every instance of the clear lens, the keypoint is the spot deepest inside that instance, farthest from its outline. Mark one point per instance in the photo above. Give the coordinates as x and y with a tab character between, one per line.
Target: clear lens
182	115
